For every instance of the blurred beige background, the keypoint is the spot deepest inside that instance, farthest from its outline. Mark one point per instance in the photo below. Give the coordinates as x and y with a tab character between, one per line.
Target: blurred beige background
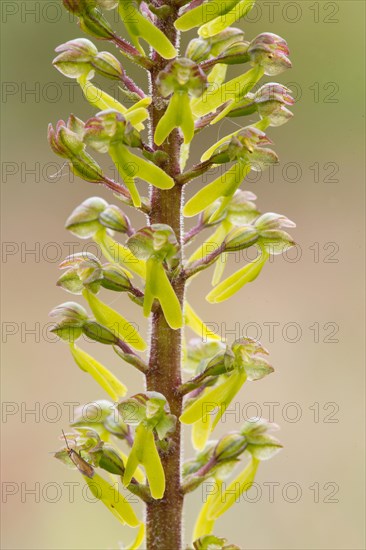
309	312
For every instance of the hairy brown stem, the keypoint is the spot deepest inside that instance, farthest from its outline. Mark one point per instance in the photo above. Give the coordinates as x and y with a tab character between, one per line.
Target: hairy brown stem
164	517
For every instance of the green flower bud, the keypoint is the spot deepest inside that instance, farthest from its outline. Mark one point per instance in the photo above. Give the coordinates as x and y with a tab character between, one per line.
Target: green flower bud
94	24
271	220
71	282
87	264
54	141
76	125
241	208
109	459
115	278
84	220
86	168
115	426
241	238
239	211
261	444
221	363
230	447
107	65
75	57
272	237
182	75
244	107
257	426
276	242
270	52
235	53
67	143
165	242
224	39
90	18
113	218
68	330
71	311
270	101
198	50
99	333
199	354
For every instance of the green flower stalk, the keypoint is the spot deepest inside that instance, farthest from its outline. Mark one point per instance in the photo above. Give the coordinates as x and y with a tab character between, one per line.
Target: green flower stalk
133	444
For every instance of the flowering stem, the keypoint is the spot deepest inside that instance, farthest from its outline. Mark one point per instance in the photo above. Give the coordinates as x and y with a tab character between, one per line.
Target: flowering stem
164	517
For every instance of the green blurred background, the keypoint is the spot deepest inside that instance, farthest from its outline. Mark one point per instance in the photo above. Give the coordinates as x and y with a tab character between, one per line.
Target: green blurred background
314	303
